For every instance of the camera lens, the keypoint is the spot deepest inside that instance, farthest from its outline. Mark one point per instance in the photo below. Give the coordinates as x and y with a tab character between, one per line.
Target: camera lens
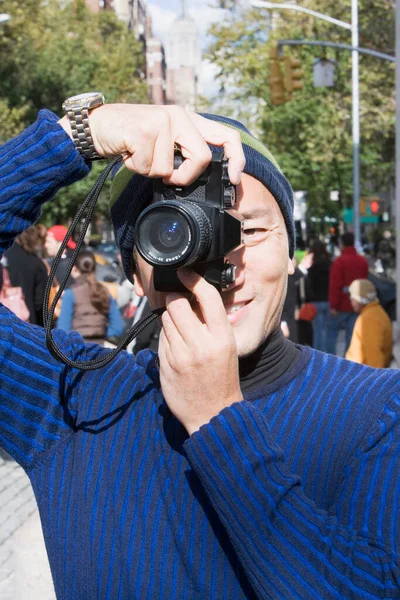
172	233
164	235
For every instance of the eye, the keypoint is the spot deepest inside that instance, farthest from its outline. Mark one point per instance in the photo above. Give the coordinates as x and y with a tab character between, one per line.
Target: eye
253	235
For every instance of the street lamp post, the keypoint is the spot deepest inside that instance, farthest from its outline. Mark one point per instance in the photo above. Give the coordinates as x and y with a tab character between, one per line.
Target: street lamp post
354	93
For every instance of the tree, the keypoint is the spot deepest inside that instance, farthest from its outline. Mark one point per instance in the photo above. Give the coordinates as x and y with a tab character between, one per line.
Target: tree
51	50
311	135
49	53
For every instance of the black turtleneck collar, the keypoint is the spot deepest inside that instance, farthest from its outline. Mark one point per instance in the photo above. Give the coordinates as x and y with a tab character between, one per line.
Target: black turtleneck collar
271	360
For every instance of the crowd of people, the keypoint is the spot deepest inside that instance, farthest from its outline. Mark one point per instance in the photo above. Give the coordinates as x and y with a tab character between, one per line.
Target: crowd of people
322	300
86	305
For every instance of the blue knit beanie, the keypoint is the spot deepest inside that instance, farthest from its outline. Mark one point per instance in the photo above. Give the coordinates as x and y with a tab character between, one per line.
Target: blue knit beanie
131	193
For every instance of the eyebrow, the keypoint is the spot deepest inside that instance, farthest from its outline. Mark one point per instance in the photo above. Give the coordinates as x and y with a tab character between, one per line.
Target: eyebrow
257	213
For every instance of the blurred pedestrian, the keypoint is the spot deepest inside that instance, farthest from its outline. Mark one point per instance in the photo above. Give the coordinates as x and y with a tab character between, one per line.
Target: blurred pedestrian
87	306
372	339
318	264
42	235
344	270
27	271
54	238
291	306
149	337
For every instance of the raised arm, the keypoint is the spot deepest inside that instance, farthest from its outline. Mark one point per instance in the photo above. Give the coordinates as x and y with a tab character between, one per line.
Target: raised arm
37	406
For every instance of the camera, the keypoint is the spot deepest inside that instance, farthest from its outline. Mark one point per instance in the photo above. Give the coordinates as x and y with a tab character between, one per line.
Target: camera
195	225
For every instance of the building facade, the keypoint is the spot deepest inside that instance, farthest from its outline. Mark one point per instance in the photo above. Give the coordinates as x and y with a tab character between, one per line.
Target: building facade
183	61
156	71
133	12
97	5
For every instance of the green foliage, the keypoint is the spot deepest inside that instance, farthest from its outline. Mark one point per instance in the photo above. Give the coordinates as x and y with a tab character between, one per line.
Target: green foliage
66	203
11	120
311	135
51	50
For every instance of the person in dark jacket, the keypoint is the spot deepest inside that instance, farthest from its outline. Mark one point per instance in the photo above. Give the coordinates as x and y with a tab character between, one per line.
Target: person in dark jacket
344	270
26	270
289	324
319	265
87	306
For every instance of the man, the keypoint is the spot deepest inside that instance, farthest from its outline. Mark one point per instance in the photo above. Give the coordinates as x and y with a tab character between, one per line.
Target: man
211	477
54	238
345	269
372	339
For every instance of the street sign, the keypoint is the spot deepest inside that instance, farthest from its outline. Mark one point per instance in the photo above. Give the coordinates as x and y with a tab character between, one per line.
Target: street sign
348	217
324	72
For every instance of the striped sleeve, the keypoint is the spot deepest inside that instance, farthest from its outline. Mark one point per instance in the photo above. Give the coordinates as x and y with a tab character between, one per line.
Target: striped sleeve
35	397
33	167
37	393
288	547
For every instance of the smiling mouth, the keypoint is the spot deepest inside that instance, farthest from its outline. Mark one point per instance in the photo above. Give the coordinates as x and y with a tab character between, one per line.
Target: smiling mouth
235	307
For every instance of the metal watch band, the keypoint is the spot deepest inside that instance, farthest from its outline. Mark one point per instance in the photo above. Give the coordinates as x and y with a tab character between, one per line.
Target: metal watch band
79	120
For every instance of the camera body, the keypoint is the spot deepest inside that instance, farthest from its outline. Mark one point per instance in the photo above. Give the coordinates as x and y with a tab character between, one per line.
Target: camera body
194	226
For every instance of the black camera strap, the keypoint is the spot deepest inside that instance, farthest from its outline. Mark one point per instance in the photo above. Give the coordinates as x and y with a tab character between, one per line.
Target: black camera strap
48	312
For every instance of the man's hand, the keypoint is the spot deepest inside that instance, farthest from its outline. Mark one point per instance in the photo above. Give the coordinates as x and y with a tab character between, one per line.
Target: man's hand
145	137
198	357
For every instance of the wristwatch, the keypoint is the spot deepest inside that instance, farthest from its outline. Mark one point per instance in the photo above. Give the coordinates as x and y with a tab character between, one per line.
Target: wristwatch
77	108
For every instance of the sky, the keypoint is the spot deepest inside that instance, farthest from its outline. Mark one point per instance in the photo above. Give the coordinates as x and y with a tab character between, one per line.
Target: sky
164	12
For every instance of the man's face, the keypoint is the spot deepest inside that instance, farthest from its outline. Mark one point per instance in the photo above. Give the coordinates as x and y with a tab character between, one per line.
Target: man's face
254	303
51	245
357	306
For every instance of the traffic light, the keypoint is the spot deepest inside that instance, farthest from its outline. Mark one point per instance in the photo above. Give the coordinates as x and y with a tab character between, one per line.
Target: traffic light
283	81
292	74
376	206
276	86
372	206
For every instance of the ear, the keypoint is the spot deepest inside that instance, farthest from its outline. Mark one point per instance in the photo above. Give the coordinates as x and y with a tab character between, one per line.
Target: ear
139	290
290	267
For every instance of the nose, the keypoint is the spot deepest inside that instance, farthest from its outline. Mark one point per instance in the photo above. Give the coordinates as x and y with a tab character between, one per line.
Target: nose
237	258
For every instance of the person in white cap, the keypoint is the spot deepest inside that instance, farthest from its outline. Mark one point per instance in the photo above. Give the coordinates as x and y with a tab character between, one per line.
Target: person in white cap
372	339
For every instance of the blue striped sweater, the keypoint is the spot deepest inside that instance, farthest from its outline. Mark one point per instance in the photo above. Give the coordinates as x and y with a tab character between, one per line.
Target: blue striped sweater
292	493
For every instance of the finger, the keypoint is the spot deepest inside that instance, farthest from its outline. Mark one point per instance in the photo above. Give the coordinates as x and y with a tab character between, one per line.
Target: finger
193	147
164	351
141	158
221	135
163	153
190	169
183	318
208	298
172	335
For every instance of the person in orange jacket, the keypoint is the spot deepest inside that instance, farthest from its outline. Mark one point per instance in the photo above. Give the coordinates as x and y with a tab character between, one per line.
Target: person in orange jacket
372	340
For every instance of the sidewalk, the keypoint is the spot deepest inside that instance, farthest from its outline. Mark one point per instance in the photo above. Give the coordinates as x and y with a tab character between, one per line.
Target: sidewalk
396	347
24	569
